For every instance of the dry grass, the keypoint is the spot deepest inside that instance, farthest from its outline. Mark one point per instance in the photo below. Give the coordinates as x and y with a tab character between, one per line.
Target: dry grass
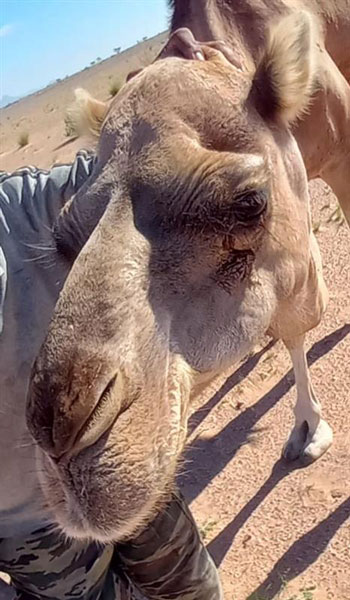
23	139
114	87
303	594
335	218
70	126
207	528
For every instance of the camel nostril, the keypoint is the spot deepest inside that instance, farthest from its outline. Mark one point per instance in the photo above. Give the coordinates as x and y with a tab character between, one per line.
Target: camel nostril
108	387
64	421
100	419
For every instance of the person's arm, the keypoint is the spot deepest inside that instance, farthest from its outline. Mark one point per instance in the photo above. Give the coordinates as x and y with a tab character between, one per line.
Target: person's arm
3	280
32	197
169	561
35	188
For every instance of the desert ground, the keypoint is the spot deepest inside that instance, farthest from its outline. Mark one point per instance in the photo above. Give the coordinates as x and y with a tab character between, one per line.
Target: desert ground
276	530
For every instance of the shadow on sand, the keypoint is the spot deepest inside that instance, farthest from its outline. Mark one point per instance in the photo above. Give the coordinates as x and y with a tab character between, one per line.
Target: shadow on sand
302	553
67	142
207	458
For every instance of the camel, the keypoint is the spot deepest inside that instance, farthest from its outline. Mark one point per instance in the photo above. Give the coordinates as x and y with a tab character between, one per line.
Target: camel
323	134
190	241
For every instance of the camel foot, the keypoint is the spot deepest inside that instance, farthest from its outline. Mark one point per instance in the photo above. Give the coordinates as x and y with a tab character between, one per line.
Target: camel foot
308	446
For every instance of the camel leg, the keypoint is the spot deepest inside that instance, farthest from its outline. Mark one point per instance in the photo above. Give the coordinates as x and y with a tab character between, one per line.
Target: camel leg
338	178
336	171
311	436
324	135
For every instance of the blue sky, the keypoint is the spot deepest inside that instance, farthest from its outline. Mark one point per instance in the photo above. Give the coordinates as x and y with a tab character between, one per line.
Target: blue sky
41	40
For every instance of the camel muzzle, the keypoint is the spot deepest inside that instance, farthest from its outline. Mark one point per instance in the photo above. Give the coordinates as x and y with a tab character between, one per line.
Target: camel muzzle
65	421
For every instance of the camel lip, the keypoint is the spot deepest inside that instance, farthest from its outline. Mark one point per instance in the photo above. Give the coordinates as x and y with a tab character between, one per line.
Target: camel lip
98	422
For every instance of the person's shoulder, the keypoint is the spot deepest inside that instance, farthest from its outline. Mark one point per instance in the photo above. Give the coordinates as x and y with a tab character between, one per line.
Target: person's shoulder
83	157
29	170
61	181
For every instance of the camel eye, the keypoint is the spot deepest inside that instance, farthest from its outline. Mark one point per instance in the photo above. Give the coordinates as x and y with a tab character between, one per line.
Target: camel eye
250	206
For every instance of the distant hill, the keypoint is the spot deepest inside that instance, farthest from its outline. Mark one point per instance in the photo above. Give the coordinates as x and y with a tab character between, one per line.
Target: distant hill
40	116
5	100
143	44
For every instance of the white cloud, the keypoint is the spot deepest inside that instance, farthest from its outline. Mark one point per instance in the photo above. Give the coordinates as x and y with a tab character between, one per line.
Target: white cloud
6	30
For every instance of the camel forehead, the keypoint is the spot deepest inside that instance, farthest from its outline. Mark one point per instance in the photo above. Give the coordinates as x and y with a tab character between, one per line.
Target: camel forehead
176	106
195	91
175	73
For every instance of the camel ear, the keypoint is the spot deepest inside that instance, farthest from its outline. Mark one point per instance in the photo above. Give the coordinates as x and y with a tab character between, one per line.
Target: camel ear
284	80
87	114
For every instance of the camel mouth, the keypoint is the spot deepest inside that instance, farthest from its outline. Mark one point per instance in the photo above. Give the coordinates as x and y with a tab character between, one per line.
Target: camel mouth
105	468
92	497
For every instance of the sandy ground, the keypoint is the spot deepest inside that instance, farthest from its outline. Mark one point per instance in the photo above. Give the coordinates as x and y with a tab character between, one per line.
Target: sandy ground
279	531
276	531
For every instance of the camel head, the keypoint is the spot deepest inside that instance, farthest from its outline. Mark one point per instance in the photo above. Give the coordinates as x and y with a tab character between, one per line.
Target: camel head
190	229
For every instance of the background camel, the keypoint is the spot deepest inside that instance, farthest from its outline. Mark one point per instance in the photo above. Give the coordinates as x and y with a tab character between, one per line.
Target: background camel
323	133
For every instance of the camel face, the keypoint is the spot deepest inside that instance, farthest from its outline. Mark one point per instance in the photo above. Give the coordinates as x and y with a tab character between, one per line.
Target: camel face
205	229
